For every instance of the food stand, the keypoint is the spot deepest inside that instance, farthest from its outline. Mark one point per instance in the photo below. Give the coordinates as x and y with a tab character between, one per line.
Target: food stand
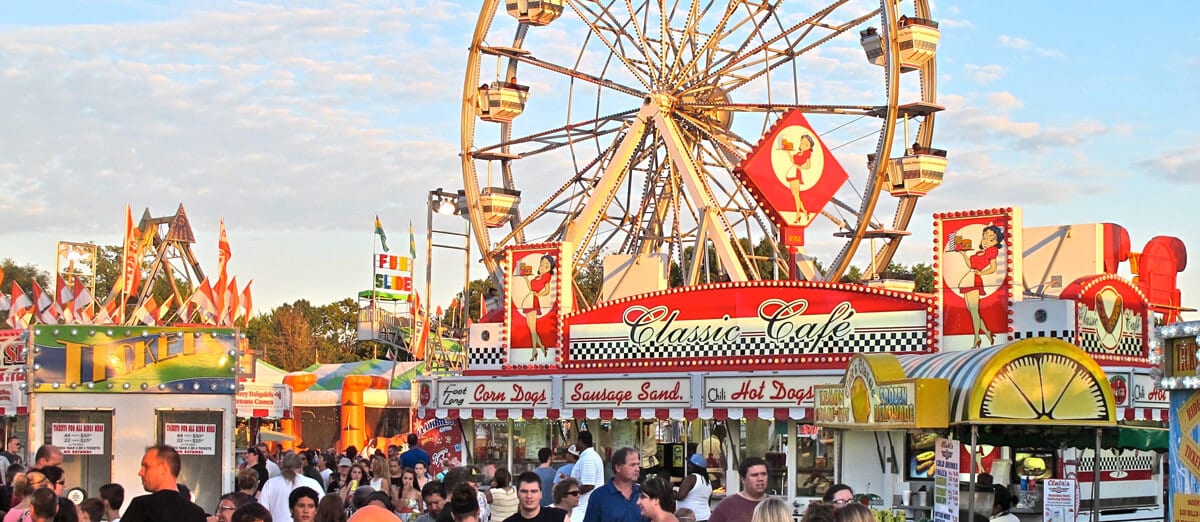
1041	385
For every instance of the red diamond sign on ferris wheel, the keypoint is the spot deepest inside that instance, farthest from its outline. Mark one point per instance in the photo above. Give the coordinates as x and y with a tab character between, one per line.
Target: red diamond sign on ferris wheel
792	175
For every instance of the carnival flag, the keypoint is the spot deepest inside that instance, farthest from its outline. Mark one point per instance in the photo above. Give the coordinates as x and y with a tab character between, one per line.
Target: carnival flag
130	262
147	312
83	299
249	309
45	306
379	232
107	314
231	303
412	243
164	308
19	309
206	304
223	251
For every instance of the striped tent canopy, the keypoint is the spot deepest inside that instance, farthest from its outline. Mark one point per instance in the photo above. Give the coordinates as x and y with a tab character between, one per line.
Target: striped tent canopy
1037	381
330	376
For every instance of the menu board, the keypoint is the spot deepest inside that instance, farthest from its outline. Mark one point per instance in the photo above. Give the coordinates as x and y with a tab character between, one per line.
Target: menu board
1060	500
945	481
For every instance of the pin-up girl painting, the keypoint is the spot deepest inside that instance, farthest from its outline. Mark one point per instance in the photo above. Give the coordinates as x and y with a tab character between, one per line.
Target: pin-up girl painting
537	299
980	262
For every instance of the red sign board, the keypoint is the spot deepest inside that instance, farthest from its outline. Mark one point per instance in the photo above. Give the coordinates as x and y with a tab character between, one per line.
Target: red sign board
792	174
746	325
1112	319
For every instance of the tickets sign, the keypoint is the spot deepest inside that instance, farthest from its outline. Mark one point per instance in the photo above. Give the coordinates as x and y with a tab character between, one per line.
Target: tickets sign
649	392
88	358
191	439
78	438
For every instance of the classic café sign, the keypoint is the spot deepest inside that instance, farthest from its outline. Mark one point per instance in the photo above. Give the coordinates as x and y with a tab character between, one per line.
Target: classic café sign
759	324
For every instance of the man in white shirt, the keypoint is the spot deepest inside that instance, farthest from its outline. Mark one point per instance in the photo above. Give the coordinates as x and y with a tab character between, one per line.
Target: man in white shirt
272	468
589	471
274	494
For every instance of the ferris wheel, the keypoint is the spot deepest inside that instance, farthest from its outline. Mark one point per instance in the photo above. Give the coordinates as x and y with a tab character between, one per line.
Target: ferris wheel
619	126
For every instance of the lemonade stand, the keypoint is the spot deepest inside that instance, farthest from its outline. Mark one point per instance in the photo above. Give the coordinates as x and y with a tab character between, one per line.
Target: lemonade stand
1040	386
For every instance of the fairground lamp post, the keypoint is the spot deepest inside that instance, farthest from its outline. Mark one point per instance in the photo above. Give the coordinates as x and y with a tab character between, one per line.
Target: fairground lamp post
443	202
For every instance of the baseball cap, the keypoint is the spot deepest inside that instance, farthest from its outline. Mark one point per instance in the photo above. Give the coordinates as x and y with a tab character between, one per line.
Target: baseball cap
344	462
573	450
698	460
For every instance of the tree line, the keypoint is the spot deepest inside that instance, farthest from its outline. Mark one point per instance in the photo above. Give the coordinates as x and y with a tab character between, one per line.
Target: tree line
293	336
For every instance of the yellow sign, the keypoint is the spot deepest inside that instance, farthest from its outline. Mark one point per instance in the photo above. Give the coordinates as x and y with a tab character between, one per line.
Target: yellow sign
1185	508
1180	359
875	395
1041	381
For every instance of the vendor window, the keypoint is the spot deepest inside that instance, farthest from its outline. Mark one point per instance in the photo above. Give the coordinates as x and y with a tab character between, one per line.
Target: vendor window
85	438
199	438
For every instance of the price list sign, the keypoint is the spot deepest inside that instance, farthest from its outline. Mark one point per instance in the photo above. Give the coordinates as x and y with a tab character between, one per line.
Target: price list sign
78	438
945	481
191	439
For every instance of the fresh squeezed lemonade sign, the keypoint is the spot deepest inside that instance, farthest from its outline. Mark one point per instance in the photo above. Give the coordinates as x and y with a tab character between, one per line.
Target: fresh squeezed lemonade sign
78	438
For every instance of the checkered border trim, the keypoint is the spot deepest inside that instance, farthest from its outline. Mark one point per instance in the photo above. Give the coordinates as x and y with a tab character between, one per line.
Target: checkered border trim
1066	335
1122	463
1130	345
751	345
488	356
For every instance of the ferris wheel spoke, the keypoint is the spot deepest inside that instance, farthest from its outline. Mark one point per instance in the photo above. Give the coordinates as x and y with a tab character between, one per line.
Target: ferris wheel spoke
581	229
790	54
524	57
561	136
752	34
804	27
643	43
858	110
690	70
597	23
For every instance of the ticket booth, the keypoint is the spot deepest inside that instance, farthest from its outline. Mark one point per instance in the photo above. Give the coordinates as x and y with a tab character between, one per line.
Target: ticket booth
97	392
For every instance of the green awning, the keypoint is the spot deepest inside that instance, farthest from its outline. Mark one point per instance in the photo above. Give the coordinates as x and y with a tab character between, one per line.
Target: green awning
384	295
1120	437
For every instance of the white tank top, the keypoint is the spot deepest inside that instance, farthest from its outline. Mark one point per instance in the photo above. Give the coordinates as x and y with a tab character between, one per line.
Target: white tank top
697	498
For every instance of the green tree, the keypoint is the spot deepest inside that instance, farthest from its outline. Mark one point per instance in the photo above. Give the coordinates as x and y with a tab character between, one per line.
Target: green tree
23	276
923	276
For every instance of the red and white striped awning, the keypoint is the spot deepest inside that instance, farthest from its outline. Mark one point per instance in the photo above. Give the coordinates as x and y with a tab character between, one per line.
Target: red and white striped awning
619	413
1144	414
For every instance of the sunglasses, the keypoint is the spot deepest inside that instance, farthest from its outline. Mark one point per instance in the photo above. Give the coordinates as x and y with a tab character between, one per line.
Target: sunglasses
842	501
574	493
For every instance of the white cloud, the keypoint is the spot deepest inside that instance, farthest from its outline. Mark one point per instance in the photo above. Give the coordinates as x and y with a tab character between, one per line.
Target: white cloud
983	74
1179	165
1014	42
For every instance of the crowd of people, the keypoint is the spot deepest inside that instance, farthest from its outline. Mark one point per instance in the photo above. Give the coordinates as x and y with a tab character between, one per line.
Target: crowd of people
395	486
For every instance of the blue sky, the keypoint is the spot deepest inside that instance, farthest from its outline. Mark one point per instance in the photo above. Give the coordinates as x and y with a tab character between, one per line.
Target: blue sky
298	124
